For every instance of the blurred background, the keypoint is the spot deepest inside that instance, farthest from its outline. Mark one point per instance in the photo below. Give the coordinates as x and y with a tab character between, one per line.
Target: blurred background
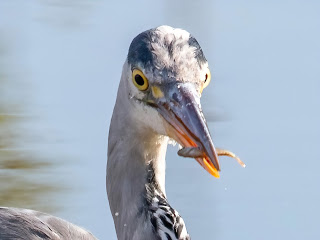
60	64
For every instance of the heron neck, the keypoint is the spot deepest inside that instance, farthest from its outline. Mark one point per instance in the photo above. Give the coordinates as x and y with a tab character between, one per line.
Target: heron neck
135	168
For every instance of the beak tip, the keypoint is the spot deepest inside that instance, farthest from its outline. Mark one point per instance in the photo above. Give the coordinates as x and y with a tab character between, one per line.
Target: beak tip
215	161
216	174
208	165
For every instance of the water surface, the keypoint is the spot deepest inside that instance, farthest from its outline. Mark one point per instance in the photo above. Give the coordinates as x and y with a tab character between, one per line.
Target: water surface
60	64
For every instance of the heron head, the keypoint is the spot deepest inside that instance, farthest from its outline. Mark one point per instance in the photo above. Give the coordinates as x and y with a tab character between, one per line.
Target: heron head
166	72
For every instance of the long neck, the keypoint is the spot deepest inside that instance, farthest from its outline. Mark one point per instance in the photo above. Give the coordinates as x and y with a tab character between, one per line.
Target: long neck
136	165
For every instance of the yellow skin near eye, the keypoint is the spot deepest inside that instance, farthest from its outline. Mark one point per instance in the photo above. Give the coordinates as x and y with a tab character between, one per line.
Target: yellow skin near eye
207	81
142	86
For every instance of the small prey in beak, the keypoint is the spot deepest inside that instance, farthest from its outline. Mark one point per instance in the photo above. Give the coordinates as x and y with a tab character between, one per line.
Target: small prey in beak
179	105
194	152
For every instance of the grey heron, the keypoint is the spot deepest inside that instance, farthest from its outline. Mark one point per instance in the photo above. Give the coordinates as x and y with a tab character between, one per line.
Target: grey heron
158	99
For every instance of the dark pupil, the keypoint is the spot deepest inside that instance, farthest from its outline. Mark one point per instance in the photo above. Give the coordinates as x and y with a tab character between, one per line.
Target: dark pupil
139	80
206	78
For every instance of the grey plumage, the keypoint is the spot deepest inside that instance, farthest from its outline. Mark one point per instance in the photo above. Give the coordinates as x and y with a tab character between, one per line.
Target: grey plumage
22	224
167	54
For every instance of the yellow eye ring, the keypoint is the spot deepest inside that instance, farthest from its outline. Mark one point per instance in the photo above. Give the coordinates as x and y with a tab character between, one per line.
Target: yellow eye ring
140	80
206	81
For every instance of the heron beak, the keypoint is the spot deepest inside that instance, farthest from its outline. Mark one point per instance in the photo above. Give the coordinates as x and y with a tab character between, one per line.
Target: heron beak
185	122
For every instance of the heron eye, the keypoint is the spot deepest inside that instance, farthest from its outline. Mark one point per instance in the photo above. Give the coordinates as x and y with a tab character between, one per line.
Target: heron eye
206	81
140	80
